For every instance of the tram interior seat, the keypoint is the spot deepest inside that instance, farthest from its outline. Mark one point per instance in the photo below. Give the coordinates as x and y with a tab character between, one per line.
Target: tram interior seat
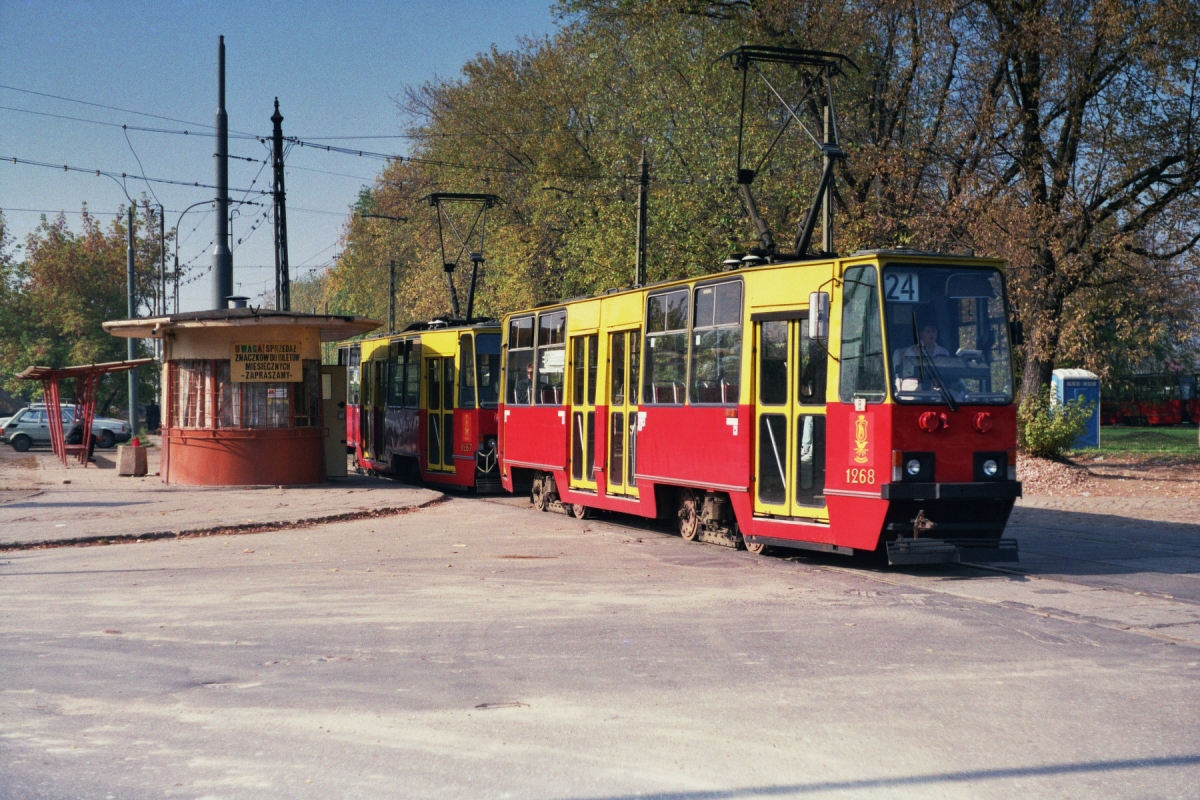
669	393
715	391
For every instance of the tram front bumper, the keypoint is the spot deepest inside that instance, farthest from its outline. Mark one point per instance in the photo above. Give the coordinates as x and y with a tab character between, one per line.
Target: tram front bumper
979	490
949	523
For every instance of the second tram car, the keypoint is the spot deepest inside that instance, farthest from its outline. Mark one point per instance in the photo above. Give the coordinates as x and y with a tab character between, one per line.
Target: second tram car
841	405
427	404
348	356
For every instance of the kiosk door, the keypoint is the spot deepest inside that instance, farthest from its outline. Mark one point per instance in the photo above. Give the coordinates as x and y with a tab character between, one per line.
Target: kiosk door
790	420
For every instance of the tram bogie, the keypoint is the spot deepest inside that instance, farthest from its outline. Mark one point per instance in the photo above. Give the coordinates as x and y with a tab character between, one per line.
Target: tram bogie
711	401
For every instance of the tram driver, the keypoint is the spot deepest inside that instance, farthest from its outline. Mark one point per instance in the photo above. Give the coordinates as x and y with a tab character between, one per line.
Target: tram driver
523	391
916	374
928	343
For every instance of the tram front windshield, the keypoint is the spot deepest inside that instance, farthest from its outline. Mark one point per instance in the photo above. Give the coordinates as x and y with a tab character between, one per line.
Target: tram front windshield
947	329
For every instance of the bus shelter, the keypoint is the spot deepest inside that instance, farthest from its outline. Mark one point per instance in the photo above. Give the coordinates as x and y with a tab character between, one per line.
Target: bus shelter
86	377
243	392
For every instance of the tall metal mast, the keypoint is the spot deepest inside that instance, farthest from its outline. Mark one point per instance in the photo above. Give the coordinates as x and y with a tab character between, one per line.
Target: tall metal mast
222	260
283	291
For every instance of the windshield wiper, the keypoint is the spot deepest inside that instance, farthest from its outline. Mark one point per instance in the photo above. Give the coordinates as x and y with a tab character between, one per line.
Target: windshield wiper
937	376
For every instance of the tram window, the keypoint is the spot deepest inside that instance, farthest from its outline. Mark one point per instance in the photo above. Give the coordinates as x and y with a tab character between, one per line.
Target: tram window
667	347
551	357
354	374
810	460
466	372
487	369
616	351
365	390
772	458
433	399
448	384
593	356
717	344
862	340
635	364
773	358
520	380
395	396
813	369
577	356
951	338
412	373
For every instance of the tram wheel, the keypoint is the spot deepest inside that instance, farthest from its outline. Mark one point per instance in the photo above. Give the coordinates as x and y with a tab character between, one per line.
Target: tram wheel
580	511
758	548
538	494
688	515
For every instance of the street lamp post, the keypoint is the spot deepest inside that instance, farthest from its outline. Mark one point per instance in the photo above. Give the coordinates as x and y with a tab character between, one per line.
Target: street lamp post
176	275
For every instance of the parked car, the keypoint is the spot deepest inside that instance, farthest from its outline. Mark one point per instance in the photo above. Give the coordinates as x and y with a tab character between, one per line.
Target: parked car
30	426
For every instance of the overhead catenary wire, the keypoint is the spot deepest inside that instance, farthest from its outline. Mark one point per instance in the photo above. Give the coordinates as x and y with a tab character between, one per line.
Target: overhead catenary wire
116	108
120	175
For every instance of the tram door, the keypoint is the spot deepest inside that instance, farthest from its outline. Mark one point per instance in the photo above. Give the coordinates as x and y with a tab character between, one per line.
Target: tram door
790	420
375	415
623	360
584	360
439	413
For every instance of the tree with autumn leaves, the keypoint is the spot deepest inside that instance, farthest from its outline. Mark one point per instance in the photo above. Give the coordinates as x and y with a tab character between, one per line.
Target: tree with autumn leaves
57	290
1058	134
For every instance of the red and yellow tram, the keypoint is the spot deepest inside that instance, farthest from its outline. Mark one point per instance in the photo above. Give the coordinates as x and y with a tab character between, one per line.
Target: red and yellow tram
424	403
842	405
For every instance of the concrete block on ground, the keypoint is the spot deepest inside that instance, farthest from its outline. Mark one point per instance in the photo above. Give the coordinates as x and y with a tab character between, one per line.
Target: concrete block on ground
131	461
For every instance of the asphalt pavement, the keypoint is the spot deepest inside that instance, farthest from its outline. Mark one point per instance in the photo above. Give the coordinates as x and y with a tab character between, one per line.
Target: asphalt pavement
475	648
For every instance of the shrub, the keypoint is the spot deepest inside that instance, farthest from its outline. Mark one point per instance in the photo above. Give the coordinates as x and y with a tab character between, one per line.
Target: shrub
1045	430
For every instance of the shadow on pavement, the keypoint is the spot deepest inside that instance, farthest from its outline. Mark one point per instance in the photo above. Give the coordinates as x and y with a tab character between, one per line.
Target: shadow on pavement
966	776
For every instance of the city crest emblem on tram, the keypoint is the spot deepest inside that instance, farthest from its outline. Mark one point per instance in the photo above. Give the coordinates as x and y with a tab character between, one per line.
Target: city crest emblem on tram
862	446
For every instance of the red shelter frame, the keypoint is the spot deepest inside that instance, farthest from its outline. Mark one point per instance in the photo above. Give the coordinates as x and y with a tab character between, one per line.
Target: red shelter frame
87	378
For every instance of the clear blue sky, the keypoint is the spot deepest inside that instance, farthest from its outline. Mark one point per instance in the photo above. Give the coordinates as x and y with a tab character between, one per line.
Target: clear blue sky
337	69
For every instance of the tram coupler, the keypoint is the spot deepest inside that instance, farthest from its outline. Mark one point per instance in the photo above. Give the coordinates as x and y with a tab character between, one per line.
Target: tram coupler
907	552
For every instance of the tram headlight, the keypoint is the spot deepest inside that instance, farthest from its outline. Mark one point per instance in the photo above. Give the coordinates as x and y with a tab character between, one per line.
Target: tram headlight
990	467
913	467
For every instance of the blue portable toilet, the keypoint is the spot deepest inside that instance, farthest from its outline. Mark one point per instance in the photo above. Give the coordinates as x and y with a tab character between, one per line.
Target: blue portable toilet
1066	385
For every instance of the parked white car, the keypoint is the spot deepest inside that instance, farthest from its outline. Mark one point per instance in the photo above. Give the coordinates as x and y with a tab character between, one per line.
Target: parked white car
30	427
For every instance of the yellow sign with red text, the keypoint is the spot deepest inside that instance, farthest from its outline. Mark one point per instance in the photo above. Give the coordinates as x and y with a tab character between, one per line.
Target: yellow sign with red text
265	362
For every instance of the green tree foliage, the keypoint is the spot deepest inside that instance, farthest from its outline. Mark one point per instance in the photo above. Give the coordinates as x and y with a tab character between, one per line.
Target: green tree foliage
54	300
1059	134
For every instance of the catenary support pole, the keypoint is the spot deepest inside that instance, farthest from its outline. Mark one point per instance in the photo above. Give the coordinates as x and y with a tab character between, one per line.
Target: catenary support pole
131	344
639	277
283	290
222	260
392	295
